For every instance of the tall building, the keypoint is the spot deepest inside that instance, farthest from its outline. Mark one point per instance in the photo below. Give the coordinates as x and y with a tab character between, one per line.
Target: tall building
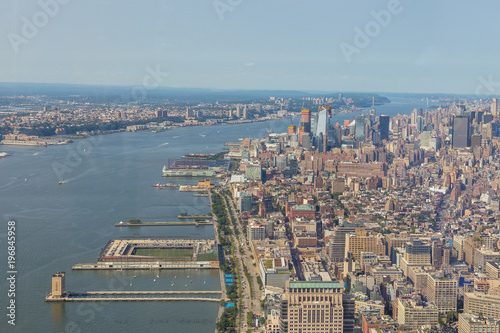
336	249
256	232
322	128
443	292
360	128
461	132
361	242
312	306
417	252
384	127
306	120
245	113
189	113
494	106
349	306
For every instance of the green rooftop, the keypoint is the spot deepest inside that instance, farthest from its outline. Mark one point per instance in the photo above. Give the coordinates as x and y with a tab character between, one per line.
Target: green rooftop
314	284
303	207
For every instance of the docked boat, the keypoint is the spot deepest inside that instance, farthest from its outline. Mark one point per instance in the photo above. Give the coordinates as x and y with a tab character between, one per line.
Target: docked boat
165	185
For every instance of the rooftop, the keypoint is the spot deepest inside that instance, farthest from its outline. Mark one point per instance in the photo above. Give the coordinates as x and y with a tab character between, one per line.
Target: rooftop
314	284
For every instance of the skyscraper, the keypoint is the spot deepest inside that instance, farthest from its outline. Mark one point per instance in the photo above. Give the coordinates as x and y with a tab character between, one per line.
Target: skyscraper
360	128
306	120
384	127
461	132
245	114
494	106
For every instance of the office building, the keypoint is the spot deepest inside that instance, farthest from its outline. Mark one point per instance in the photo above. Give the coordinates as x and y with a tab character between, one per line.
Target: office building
312	306
443	292
482	256
361	242
477	324
415	314
494	106
384	127
360	123
481	304
461	132
417	252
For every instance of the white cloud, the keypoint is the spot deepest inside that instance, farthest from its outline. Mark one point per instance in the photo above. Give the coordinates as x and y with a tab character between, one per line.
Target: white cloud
249	64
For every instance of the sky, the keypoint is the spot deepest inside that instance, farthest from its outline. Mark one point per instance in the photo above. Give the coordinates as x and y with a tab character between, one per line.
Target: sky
364	45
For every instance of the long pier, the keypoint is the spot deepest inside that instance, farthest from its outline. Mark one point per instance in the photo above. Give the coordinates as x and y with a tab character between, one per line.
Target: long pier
164	224
117	296
193	217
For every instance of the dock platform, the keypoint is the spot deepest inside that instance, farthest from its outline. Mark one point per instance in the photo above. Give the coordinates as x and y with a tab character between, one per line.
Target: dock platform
118	296
163	224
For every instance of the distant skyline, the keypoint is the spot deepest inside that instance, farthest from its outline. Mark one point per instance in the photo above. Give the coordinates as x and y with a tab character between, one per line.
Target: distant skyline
421	47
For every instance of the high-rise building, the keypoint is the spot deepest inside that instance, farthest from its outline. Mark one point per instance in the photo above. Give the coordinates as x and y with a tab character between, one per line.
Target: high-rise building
336	249
360	128
494	106
238	111
306	120
384	127
349	305
443	292
189	113
361	242
245	114
312	306
291	129
417	252
461	132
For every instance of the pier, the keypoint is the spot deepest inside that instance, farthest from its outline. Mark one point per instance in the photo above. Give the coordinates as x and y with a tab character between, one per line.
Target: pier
59	294
159	224
120	296
193	217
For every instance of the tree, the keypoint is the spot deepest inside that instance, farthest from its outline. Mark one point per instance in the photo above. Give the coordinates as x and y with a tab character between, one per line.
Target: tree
451	317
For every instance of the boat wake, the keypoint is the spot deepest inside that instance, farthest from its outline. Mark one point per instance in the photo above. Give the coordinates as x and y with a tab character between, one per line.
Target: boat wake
163	144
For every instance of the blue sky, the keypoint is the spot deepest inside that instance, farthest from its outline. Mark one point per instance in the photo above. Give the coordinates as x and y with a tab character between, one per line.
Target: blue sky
428	46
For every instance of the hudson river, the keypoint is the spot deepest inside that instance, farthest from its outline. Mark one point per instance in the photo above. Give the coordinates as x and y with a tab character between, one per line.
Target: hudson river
107	179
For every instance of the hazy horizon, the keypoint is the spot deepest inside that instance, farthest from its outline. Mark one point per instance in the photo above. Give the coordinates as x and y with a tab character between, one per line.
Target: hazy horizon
388	46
